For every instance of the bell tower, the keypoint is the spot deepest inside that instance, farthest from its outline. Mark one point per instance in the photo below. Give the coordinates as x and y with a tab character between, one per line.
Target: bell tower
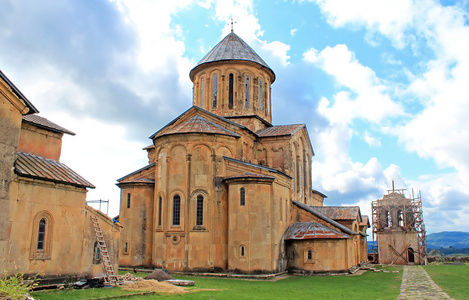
232	81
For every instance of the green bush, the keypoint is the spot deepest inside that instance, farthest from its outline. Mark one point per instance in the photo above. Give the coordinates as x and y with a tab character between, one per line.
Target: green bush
13	287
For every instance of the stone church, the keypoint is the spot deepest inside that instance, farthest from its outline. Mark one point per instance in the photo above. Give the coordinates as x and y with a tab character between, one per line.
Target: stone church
226	190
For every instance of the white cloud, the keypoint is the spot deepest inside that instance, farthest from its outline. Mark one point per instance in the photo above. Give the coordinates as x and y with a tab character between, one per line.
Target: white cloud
366	96
96	152
293	31
374	142
248	28
439	85
391	18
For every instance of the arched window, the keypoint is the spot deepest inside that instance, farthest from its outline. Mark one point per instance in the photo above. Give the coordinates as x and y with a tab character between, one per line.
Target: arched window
41	235
261	103
267	91
388	219
300	180
242	195
200	210
242	251
400	218
126	248
96	254
160	204
41	238
128	200
176	210
202	94
246	89
230	91
215	89
310	255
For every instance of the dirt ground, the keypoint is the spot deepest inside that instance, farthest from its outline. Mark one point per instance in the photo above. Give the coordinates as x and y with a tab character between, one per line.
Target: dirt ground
154	285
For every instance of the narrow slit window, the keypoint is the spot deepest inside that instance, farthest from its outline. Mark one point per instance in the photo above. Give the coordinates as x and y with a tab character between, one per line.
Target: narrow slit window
128	200
242	251
160	204
242	196
126	247
202	94
400	218
246	88
41	234
261	103
215	90
200	210
230	91
176	210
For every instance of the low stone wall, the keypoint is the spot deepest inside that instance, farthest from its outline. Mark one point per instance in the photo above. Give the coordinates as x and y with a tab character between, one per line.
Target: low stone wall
462	259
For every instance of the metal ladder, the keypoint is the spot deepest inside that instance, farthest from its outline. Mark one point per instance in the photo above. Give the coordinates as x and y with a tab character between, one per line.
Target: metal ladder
110	278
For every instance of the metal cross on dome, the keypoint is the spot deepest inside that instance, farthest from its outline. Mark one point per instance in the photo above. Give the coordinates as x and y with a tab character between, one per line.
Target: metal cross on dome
232	24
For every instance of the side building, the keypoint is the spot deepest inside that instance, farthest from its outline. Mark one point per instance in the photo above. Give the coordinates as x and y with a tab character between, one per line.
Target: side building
45	224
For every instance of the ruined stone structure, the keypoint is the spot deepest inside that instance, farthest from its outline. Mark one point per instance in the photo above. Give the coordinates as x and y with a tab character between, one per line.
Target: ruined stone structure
45	224
399	229
227	190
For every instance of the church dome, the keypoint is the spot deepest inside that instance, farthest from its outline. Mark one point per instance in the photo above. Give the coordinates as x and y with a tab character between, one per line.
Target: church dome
232	48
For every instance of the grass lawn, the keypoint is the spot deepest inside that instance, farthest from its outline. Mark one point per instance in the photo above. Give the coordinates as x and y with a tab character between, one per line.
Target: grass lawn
451	279
367	286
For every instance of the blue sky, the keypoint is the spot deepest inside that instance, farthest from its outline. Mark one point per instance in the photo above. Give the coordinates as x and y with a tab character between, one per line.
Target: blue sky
381	85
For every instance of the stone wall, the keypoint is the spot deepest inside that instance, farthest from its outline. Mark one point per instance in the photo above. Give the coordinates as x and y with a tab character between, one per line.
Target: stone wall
10	123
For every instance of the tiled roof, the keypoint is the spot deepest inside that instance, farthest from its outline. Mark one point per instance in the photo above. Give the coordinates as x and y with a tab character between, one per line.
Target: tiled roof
311	230
312	210
318	193
250	175
365	221
199	124
272	170
44	123
138	180
32	109
137	171
197	110
232	47
32	166
339	212
280	130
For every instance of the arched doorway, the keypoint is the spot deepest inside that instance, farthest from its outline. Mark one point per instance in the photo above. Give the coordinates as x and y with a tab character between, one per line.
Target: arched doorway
410	255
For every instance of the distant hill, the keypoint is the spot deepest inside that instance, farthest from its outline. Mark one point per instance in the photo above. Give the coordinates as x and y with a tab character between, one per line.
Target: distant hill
448	239
447	242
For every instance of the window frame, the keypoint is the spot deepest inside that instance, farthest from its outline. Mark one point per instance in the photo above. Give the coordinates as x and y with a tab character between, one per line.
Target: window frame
176	211
261	102
97	258
160	206
42	218
246	91
199	216
230	90
242	196
214	91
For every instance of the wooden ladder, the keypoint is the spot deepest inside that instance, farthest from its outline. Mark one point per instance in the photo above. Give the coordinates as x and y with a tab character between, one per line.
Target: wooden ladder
111	277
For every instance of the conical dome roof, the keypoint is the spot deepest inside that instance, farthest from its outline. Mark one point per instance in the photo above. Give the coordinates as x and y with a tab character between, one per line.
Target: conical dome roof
232	47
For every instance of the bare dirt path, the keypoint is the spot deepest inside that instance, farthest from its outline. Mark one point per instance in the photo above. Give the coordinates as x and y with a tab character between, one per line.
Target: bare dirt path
417	284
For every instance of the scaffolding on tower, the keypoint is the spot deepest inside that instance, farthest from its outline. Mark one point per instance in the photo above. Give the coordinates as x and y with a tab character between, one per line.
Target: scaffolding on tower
409	219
